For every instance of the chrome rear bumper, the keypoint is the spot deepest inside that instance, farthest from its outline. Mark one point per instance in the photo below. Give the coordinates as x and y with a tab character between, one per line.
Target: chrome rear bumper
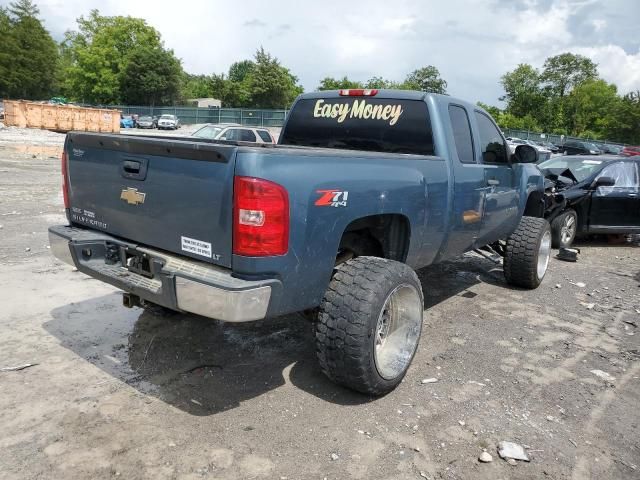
173	281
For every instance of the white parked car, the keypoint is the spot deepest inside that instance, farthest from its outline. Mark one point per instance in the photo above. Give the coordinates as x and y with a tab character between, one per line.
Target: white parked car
513	142
168	122
234	131
543	152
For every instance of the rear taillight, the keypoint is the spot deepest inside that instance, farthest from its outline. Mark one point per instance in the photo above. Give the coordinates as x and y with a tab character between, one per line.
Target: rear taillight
65	178
359	92
260	218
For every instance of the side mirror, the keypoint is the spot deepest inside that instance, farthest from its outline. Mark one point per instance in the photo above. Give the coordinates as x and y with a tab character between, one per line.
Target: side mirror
525	154
603	182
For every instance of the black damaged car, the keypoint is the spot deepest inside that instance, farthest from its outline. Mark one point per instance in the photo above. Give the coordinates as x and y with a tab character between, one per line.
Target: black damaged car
591	194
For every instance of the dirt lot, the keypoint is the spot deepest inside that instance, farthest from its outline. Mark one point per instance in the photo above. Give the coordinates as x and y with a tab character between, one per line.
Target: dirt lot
128	393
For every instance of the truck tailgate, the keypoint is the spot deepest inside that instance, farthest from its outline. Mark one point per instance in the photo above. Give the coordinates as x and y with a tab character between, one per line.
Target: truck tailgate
169	193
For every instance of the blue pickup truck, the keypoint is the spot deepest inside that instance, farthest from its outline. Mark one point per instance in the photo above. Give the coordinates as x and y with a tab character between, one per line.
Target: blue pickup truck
363	187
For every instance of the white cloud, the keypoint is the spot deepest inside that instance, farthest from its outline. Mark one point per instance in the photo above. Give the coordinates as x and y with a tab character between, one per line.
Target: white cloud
397	24
472	42
531	27
615	65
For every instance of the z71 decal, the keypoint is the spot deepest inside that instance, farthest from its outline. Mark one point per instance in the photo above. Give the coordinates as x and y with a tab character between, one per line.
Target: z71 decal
332	198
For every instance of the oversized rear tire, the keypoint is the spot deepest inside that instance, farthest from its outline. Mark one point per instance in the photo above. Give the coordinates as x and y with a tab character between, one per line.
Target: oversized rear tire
527	253
369	324
564	228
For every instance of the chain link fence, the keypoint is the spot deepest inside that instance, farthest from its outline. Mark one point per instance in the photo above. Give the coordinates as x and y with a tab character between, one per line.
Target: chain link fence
275	118
553	138
193	115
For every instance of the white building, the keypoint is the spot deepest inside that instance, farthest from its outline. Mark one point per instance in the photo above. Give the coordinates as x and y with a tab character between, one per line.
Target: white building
206	102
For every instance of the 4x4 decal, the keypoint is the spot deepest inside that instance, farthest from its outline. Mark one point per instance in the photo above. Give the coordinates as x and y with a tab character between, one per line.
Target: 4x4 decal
332	198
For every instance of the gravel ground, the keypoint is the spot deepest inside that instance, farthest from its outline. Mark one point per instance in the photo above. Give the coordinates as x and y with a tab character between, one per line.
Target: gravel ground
129	393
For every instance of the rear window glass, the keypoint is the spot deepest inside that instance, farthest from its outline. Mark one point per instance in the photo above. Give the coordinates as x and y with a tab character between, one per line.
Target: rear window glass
247	136
361	123
265	136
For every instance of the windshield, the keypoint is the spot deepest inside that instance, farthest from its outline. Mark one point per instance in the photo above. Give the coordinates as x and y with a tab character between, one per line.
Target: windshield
208	132
145	119
167	117
582	168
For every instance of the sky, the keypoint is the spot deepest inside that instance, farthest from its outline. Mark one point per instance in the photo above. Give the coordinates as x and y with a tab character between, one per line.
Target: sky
472	42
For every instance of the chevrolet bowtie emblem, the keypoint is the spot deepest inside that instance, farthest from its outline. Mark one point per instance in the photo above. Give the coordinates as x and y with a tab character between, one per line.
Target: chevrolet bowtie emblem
132	196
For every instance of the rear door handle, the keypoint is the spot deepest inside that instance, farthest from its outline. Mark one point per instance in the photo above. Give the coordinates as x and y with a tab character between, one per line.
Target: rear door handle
492	182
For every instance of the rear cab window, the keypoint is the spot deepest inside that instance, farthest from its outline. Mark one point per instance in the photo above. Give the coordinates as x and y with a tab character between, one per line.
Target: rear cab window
462	133
361	123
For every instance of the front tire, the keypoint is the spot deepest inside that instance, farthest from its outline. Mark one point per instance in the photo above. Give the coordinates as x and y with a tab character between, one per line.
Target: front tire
527	253
369	324
563	229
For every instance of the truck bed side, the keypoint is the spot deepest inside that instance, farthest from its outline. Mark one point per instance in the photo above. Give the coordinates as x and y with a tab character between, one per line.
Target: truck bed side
371	184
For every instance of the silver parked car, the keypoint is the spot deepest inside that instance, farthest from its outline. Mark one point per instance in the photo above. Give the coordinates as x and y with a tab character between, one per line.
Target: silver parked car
147	121
543	152
168	122
234	131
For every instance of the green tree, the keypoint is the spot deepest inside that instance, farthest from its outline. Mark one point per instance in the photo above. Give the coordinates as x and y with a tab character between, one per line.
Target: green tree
219	86
523	91
238	94
99	52
8	48
590	107
329	83
624	124
271	85
238	71
563	72
151	77
568	98
28	54
560	75
380	82
195	86
232	94
508	120
493	111
426	79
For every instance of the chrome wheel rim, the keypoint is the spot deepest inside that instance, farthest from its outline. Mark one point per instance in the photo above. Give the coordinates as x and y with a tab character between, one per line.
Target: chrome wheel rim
397	331
568	229
544	253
